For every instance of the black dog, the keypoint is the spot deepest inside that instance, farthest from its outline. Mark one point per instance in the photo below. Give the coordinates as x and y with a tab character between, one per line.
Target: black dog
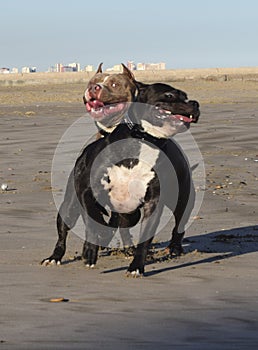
172	104
126	184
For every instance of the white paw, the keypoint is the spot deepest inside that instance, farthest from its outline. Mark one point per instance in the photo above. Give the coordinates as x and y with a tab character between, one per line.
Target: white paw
90	266
134	274
48	262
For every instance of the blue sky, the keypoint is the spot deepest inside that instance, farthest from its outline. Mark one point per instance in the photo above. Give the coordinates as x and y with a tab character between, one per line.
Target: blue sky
184	34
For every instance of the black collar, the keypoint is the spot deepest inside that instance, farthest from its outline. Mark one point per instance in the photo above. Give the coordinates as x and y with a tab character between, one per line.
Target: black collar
128	121
137	131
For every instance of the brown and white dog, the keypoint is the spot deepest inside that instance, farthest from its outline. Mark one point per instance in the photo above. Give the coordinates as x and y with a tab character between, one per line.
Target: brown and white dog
107	95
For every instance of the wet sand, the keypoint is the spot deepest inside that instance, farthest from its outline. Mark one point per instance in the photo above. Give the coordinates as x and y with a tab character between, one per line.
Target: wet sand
205	299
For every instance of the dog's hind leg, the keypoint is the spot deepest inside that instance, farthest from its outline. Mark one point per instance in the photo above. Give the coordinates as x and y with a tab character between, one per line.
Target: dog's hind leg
182	214
67	217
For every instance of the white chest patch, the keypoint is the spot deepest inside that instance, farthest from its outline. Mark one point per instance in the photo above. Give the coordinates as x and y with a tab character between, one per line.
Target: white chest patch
127	187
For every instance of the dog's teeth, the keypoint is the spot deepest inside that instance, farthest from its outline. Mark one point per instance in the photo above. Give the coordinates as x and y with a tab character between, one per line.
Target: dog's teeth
167	112
98	110
191	117
181	118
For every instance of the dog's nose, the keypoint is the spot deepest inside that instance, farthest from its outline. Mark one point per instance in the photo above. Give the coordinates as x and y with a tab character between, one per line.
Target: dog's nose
96	87
194	104
94	90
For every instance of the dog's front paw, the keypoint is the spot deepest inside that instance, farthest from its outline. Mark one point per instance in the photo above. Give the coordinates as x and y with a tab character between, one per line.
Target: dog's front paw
134	274
56	257
90	254
51	261
135	269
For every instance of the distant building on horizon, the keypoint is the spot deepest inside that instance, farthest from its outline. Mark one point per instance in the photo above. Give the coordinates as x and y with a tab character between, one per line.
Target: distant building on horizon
140	66
75	66
155	66
4	70
151	66
60	67
67	69
115	68
29	70
131	65
89	68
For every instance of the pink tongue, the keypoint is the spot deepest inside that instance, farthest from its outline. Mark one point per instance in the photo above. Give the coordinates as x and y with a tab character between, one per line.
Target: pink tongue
182	117
95	104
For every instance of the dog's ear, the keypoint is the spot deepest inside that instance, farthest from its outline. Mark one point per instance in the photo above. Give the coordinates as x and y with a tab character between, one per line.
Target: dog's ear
141	88
128	72
99	70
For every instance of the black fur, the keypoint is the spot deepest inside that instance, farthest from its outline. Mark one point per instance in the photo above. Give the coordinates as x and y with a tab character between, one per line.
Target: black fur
179	195
79	200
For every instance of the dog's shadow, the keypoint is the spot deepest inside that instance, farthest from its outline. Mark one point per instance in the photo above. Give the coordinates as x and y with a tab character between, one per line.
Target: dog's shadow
219	244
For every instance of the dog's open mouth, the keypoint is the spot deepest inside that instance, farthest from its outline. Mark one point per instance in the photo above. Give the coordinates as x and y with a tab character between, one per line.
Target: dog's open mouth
99	110
165	114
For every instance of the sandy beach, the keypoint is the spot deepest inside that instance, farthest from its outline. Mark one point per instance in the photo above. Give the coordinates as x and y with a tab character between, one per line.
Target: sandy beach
206	299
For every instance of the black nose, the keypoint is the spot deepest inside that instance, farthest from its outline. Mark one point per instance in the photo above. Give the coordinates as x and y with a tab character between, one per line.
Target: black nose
195	104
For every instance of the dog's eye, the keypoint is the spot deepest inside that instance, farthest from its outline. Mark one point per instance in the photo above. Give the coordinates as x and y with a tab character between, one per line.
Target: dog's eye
169	95
114	85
